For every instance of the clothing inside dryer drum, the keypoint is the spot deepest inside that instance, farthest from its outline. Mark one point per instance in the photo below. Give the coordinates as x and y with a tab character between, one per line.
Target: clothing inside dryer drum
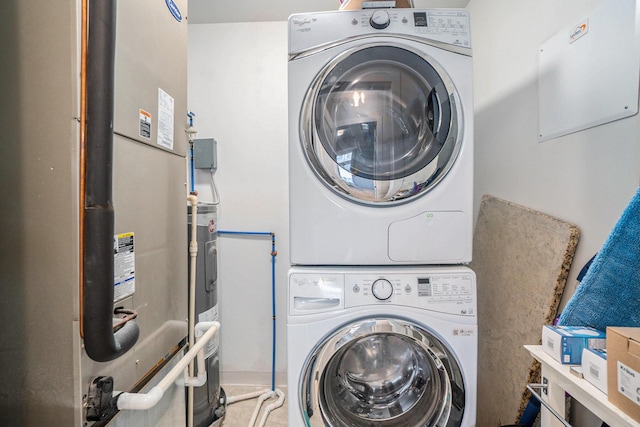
385	380
382	117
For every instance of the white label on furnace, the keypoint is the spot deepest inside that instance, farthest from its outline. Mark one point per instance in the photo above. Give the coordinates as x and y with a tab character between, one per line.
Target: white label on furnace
124	266
210	315
165	119
629	383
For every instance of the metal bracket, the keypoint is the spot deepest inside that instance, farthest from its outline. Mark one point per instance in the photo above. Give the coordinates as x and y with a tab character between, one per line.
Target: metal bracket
544	386
100	403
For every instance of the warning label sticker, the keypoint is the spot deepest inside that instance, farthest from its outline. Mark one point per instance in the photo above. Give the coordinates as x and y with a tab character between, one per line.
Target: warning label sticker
123	266
165	119
145	124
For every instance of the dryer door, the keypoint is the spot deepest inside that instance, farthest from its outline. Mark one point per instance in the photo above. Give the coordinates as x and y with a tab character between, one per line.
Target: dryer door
381	124
382	372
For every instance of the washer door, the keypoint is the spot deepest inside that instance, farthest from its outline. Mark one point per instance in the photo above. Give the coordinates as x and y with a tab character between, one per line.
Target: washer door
382	372
380	124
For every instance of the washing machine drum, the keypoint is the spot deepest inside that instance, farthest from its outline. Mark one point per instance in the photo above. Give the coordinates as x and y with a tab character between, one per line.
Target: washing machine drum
382	372
380	124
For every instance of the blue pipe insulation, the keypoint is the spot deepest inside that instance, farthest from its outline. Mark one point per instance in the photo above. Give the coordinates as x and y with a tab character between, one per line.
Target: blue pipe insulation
191	132
274	253
193	178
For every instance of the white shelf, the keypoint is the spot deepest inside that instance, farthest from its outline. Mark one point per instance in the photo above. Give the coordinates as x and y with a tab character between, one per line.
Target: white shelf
560	379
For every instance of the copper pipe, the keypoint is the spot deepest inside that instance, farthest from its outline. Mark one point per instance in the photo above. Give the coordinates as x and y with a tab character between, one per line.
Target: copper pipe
83	145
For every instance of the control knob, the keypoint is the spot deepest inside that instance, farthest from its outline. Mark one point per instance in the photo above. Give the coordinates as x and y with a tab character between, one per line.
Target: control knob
382	289
379	20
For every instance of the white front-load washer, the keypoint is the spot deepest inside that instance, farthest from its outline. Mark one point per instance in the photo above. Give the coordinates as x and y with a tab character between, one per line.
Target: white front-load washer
386	346
380	137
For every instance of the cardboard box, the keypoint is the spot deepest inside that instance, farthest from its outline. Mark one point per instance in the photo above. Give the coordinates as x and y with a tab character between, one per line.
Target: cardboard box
594	367
623	366
565	343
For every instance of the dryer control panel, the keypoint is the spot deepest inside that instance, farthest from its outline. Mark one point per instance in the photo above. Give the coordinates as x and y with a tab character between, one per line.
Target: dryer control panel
453	293
440	26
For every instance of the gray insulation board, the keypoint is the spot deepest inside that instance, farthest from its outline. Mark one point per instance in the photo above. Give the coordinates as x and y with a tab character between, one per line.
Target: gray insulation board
521	258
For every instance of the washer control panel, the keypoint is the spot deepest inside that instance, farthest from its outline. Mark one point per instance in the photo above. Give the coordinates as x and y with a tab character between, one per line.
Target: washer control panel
453	293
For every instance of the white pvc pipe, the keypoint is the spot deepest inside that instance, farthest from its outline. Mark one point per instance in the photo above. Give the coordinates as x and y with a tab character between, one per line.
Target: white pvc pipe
193	254
267	395
190	381
252	395
142	401
201	378
278	403
262	395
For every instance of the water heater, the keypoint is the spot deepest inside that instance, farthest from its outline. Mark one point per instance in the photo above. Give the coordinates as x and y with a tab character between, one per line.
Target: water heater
208	400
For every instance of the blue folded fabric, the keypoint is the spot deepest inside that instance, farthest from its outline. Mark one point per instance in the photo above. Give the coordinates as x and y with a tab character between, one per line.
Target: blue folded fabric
609	293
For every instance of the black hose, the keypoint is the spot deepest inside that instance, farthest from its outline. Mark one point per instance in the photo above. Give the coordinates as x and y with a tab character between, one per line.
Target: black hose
100	342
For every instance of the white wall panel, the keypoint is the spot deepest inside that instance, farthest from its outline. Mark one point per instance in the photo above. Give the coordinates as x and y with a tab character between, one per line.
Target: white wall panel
238	91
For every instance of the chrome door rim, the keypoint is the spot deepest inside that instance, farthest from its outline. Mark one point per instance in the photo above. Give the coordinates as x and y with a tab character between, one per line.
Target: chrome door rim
414	185
424	404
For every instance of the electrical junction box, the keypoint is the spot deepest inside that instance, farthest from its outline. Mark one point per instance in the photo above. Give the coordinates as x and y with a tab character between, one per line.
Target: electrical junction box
205	153
596	58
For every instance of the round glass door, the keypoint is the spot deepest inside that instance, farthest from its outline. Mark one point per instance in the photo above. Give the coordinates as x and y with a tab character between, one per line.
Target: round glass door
379	124
383	372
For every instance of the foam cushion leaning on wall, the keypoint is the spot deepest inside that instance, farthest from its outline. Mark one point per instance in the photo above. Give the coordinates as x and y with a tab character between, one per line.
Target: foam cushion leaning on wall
608	294
521	258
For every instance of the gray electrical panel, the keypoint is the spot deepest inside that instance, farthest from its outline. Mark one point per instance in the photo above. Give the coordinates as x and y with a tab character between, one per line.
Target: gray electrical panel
204	153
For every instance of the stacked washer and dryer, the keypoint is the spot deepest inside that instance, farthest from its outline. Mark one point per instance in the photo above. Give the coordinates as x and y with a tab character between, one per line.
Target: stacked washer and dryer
381	324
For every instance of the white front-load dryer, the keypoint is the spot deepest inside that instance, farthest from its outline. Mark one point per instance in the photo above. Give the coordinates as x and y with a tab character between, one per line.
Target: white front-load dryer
382	347
380	137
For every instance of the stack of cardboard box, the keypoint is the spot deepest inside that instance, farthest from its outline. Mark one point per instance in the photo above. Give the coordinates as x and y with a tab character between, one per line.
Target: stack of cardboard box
611	361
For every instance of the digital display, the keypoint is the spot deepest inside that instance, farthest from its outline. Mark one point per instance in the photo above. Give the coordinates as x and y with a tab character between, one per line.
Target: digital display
424	287
420	19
